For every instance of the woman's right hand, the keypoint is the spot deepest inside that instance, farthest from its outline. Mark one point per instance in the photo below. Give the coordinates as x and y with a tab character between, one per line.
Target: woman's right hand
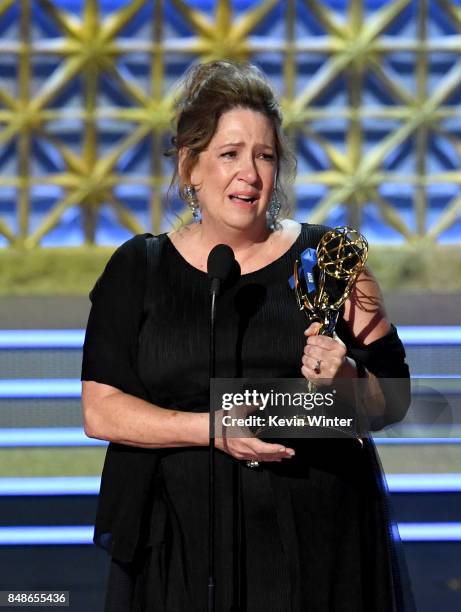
239	442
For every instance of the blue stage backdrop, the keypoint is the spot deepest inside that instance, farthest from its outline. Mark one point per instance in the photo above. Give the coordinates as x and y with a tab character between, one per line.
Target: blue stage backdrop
370	91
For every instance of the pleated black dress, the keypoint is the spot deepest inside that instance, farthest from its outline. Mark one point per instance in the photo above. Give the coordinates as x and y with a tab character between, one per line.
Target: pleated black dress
310	534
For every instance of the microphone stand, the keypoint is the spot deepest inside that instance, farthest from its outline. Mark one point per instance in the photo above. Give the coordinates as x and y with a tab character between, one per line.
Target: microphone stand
211	456
221	259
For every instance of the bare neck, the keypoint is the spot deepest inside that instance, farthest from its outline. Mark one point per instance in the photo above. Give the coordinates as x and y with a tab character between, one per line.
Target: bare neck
240	241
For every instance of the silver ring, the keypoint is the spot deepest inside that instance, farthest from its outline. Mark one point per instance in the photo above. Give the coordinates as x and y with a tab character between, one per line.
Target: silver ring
252	463
317	366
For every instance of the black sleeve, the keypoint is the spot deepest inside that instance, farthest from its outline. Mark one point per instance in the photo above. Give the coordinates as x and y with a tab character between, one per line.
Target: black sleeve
385	359
109	350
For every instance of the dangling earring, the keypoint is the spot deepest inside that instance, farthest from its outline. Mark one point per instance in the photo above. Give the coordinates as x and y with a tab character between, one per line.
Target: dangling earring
192	201
273	210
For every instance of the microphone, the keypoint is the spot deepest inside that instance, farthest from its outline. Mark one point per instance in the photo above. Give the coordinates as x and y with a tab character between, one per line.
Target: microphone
221	261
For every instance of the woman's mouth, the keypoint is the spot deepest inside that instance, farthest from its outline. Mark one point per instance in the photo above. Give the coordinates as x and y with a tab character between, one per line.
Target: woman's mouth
243	199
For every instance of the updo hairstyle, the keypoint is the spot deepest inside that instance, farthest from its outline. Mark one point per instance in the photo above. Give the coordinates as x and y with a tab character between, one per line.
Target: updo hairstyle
208	91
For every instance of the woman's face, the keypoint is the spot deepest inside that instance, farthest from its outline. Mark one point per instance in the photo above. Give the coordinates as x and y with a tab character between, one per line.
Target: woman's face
235	175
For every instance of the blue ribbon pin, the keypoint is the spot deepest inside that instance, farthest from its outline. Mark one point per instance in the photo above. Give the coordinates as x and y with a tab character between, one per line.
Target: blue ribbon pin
308	261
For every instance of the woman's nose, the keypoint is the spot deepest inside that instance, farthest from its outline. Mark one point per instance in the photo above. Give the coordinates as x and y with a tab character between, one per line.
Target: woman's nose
248	171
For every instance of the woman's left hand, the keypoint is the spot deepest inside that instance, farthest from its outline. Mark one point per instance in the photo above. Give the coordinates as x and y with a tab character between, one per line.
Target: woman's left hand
324	357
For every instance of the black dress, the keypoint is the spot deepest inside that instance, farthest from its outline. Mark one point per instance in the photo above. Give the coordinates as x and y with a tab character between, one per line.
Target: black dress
309	534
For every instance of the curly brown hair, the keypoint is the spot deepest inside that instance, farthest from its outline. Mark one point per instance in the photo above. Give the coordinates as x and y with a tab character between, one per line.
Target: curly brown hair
208	91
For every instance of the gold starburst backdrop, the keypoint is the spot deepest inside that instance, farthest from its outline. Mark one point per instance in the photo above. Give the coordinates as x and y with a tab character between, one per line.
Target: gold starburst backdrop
370	99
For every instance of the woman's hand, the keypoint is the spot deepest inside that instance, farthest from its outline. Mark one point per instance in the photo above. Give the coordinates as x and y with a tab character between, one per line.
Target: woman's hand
324	358
253	449
239	442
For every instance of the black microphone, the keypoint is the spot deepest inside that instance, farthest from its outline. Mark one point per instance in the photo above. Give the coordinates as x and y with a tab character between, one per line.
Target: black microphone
220	264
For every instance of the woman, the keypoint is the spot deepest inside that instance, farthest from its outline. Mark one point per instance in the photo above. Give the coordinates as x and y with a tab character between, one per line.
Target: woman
307	529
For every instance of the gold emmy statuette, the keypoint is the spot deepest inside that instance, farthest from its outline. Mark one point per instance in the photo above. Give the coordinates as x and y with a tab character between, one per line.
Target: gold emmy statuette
341	256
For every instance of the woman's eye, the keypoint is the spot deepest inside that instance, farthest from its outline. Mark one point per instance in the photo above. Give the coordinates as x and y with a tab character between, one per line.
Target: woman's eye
229	154
267	156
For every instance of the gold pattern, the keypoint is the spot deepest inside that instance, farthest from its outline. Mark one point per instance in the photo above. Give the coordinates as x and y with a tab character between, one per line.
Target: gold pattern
92	46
